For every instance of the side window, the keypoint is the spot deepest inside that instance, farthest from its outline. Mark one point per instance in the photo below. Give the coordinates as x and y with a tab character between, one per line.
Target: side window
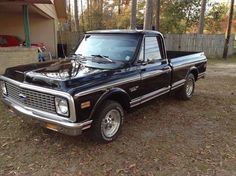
152	50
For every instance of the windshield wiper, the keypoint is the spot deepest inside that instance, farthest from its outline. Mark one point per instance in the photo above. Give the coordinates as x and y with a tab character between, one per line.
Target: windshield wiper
80	57
103	57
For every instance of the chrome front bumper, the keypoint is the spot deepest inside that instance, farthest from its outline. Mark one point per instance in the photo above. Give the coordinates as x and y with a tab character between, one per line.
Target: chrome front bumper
61	126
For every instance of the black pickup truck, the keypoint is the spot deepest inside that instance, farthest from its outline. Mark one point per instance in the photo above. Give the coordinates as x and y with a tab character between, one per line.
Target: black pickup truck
110	72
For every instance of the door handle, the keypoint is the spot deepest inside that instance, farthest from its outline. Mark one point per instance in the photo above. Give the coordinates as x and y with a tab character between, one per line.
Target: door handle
143	69
165	68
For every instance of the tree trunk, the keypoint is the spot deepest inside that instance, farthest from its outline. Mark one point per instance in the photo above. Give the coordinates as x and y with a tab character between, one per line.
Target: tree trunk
101	6
133	14
202	15
158	8
148	16
119	10
88	15
69	18
152	14
76	15
228	31
82	13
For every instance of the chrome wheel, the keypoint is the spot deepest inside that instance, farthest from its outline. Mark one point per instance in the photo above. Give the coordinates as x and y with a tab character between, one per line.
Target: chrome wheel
111	123
189	87
186	92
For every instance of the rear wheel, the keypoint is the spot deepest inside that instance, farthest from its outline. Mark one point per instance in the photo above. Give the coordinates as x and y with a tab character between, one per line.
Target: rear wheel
186	92
108	122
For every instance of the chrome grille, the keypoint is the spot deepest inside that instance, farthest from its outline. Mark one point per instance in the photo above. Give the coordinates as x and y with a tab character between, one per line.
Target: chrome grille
1	82
32	99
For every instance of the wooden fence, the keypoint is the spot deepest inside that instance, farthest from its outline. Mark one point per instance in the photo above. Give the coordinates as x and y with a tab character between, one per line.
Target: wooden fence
71	39
212	45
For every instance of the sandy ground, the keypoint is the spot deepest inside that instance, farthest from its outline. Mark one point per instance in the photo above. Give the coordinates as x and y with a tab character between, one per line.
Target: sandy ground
164	137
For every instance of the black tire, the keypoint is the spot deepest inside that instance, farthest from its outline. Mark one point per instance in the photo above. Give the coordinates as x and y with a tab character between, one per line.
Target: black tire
103	120
186	93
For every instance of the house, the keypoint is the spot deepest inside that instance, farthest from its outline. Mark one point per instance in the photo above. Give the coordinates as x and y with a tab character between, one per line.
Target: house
33	21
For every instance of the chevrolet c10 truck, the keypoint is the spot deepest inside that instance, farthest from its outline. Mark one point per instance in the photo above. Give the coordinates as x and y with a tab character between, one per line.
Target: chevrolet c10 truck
110	72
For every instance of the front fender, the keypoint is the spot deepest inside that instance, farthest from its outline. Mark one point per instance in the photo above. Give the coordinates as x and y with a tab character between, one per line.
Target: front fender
116	94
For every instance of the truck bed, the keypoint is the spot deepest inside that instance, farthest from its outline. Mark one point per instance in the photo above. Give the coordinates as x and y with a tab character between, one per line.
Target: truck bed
176	54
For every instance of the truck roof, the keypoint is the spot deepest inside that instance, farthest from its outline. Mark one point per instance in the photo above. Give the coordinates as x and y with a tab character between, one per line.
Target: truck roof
122	31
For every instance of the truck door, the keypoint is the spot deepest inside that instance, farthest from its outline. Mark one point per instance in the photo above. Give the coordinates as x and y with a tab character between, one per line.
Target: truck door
155	70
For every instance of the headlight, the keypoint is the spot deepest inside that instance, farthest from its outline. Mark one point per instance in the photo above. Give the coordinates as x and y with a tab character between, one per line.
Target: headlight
3	87
62	106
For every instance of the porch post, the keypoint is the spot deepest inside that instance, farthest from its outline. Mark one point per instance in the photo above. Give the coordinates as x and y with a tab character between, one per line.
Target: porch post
26	25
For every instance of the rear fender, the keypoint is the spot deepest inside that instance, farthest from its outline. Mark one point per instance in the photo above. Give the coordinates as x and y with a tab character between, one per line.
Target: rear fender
194	71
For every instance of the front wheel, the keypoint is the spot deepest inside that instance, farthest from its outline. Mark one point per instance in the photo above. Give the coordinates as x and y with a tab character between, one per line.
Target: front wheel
108	122
186	92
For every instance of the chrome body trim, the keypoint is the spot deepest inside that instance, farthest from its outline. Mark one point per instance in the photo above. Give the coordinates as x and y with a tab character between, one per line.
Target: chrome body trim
135	102
149	96
72	117
178	84
156	95
64	127
177	67
201	75
109	85
154	73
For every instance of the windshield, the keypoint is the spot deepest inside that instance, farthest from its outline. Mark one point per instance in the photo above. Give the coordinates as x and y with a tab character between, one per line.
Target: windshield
116	47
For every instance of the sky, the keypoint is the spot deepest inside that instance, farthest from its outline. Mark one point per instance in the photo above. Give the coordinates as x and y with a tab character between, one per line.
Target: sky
225	1
220	1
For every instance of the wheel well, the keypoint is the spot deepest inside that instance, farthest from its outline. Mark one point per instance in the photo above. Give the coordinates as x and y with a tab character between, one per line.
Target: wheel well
195	73
123	100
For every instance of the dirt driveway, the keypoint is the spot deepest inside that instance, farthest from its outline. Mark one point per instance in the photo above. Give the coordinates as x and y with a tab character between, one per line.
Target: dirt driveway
164	137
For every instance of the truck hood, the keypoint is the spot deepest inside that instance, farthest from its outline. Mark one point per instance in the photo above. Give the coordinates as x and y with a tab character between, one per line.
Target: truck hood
61	75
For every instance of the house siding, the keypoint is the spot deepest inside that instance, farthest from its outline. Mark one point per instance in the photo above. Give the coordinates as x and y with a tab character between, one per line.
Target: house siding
48	9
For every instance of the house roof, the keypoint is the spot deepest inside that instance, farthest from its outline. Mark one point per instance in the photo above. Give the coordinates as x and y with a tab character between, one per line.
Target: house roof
49	8
55	10
26	1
